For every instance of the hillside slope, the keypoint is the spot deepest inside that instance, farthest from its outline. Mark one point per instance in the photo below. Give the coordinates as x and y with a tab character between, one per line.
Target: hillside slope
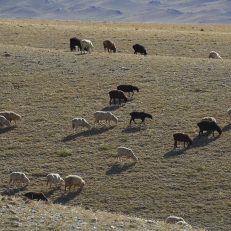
48	85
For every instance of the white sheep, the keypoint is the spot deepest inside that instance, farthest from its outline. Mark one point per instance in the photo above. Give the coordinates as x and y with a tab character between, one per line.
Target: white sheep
86	44
127	153
76	122
73	180
214	55
18	176
209	119
229	114
183	223
10	115
54	178
4	121
174	219
104	115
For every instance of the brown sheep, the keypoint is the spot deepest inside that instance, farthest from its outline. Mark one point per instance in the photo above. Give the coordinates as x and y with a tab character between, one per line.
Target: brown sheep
109	45
74	180
10	115
117	94
181	137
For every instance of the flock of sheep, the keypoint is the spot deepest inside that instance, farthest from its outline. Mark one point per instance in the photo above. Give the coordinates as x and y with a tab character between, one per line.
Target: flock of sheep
208	124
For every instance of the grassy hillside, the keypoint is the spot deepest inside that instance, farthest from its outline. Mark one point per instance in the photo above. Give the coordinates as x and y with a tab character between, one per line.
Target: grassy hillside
49	86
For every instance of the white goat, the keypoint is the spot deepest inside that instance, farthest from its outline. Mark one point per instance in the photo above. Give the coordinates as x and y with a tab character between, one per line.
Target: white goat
77	122
104	115
54	178
229	114
86	44
18	176
4	121
214	55
127	153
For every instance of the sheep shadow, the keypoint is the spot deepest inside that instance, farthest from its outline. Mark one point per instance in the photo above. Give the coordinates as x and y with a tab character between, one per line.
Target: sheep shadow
51	191
7	129
226	128
174	152
92	132
65	198
117	168
200	141
130	129
12	192
110	108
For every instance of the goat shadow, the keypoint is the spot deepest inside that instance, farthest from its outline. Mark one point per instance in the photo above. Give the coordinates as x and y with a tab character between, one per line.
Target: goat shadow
7	129
65	198
92	132
198	141
51	191
117	168
226	128
11	192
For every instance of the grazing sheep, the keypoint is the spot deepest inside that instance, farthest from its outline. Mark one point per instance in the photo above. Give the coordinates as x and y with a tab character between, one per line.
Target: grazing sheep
76	122
33	195
139	49
10	115
54	178
128	88
117	94
74	180
86	44
4	121
127	153
214	55
183	223
182	137
18	176
75	42
109	45
229	114
209	119
104	115
174	219
209	126
139	115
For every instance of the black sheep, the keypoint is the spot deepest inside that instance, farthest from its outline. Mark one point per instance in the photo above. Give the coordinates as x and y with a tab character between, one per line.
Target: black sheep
75	42
139	49
117	94
128	88
34	195
139	115
182	137
209	126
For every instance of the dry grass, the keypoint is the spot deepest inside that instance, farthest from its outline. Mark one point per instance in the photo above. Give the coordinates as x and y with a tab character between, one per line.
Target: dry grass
49	85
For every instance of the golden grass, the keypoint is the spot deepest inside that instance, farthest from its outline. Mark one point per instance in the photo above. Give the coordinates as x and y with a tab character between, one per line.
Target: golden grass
49	86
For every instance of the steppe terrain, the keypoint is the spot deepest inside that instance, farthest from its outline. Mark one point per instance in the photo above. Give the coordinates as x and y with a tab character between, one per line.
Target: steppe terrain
48	86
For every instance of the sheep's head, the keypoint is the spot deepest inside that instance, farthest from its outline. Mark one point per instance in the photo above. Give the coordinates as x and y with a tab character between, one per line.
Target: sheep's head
134	158
82	184
18	117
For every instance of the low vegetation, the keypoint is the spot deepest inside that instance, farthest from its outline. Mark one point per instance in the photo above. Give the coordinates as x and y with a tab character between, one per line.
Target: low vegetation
48	85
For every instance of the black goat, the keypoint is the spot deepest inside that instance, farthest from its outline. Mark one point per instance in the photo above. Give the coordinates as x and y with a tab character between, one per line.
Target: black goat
209	126
139	115
182	137
139	49
128	88
34	195
117	94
